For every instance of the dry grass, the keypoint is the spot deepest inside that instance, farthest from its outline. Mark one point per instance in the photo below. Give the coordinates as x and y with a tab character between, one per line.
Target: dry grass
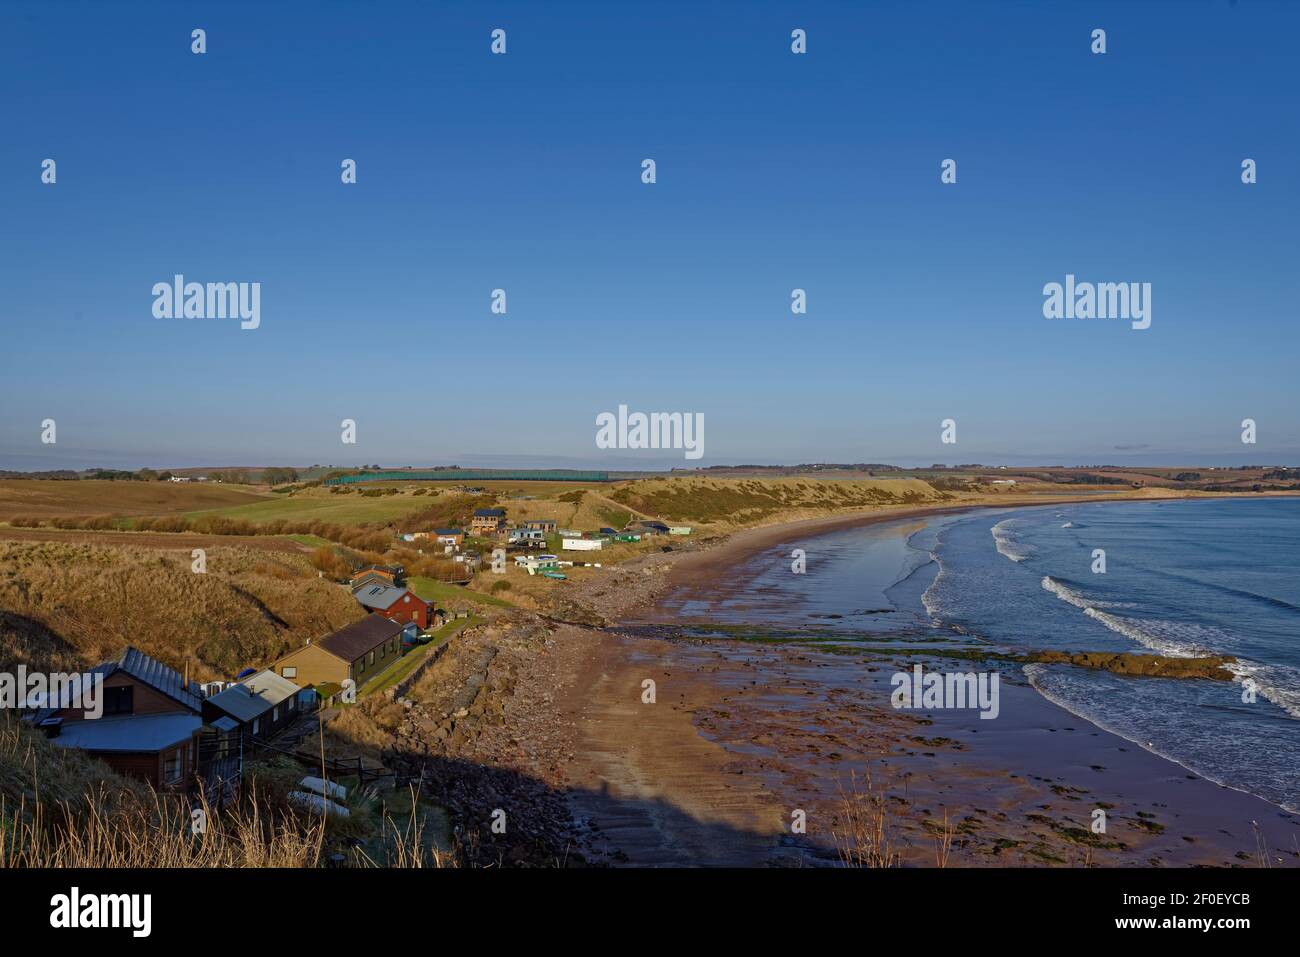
746	501
943	840
157	834
1263	858
61	808
861	831
67	604
361	732
404	844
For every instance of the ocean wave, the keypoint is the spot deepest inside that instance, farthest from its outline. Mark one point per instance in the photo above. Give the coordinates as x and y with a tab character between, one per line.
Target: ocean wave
1007	546
1076	598
1176	639
1166	637
930	597
1040	679
1064	592
1278	684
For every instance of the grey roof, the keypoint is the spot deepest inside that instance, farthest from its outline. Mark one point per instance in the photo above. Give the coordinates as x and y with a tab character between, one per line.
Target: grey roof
449	531
240	703
141	732
225	724
156	675
377	596
255	695
269	686
489	513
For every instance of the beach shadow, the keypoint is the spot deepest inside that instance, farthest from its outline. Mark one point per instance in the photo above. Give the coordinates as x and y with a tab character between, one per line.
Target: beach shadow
36	643
504	818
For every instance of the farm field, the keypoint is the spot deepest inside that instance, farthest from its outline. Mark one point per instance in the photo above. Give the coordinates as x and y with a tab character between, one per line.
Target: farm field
181	541
321	505
568	503
49	499
538	487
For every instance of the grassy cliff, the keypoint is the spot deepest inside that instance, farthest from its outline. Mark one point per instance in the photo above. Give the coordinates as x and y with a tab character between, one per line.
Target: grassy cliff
68	605
751	501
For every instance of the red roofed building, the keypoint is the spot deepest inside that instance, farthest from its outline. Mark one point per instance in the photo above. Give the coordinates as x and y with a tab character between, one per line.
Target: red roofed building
399	604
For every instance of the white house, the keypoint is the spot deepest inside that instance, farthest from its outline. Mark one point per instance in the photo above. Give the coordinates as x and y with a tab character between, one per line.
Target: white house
582	544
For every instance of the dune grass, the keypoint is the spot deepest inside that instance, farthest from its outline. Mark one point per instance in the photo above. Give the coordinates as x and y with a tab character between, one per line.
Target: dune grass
81	604
439	592
744	501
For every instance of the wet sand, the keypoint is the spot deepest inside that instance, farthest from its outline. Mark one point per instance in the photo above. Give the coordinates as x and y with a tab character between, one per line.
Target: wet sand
661	793
743	735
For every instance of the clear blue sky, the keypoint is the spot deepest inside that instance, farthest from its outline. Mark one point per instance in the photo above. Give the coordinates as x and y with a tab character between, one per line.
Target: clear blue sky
522	171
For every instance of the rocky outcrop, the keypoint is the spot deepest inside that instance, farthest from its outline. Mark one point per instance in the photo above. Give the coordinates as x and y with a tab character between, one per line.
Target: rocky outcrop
1147	666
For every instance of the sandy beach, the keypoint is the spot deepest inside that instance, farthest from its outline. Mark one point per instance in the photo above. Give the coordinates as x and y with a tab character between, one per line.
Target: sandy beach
744	739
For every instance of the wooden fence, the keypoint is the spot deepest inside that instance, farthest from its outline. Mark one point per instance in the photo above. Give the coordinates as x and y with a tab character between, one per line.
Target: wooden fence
334	767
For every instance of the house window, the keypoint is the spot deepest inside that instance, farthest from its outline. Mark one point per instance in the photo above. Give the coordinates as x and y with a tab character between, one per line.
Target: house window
257	725
289	672
275	714
372	658
119	700
173	766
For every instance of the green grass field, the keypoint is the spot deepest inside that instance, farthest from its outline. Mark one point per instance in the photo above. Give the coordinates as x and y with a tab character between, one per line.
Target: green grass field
435	591
338	509
311	541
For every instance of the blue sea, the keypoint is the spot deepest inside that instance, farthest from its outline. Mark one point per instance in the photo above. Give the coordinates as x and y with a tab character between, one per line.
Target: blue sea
1182	577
